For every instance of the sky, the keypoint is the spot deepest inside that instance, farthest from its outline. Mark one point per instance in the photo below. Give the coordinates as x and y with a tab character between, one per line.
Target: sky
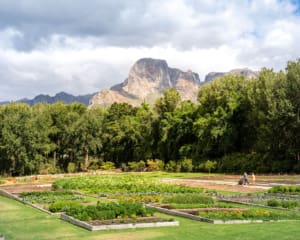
83	46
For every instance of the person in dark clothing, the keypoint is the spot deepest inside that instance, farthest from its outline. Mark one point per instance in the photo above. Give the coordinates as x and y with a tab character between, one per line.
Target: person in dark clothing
246	180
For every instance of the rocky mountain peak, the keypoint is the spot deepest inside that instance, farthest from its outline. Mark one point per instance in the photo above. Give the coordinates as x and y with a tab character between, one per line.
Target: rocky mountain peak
149	69
147	79
148	76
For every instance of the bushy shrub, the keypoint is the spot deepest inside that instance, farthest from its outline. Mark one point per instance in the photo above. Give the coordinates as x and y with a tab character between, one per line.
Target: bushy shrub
208	166
172	166
137	166
186	165
124	167
94	163
71	167
155	165
273	203
108	166
49	168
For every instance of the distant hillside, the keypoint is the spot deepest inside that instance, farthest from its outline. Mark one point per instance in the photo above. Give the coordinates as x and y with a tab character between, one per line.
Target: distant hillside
59	97
248	73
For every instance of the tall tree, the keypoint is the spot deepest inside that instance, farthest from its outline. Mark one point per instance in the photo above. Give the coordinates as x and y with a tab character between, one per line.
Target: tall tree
87	134
37	131
270	115
292	94
220	115
164	109
15	159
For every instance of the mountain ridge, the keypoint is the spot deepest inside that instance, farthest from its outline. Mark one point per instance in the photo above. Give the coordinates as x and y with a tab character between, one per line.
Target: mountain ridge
58	97
146	81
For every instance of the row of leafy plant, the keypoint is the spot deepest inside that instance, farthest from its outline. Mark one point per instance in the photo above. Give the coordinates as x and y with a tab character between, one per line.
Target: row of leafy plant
179	198
250	214
62	206
285	189
110	210
188	198
283	204
138	198
106	184
49	196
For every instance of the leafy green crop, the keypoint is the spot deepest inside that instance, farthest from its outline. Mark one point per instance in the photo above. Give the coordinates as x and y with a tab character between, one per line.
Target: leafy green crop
188	198
106	184
285	189
250	214
284	204
49	196
62	206
105	211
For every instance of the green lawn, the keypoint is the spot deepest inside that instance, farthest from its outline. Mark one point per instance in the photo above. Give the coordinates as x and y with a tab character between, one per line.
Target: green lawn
21	222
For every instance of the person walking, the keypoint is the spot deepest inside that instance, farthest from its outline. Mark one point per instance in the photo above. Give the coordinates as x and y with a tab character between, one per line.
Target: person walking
246	180
253	178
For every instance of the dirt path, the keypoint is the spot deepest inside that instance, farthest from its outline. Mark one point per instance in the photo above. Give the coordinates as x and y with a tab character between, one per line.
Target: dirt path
229	182
217	185
260	179
214	182
28	187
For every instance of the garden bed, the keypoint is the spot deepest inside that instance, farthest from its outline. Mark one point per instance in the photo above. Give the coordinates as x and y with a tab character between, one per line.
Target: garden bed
222	212
118	224
284	201
121	184
55	201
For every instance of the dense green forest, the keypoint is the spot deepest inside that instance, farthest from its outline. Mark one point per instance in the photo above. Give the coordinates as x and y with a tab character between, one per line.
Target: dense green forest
238	124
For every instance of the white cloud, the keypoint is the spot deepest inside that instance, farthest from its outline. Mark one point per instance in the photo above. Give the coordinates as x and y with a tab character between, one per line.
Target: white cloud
7	37
92	46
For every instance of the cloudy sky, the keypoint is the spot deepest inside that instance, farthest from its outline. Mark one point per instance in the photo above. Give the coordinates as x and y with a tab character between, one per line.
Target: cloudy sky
82	46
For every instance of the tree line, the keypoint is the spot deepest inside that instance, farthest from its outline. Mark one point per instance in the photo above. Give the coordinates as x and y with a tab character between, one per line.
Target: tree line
238	124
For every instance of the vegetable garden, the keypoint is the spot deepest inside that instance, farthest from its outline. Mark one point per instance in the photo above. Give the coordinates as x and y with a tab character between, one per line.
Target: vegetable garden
123	198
